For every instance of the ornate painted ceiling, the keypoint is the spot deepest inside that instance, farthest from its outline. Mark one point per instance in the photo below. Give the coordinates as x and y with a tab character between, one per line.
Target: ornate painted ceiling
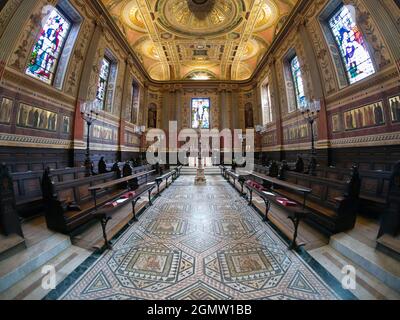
200	39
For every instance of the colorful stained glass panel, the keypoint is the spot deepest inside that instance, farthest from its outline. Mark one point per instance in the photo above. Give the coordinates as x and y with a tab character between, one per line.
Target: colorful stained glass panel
201	113
298	81
47	49
103	81
266	101
352	46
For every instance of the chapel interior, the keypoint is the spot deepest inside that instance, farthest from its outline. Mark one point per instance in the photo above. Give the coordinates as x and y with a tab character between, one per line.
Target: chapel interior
200	150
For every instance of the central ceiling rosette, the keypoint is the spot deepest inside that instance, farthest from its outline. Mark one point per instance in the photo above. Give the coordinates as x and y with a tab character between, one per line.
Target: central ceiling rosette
213	18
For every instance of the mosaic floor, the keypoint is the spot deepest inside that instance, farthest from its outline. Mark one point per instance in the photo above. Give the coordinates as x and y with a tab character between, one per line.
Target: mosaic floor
199	243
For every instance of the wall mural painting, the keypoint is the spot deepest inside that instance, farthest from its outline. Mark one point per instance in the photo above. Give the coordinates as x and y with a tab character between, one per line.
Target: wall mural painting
336	125
47	49
132	139
32	117
296	132
366	116
5	110
201	113
104	133
394	104
353	48
66	124
269	139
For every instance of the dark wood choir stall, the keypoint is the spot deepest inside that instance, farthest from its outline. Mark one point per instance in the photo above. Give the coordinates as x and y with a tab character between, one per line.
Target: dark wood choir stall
69	204
105	213
327	204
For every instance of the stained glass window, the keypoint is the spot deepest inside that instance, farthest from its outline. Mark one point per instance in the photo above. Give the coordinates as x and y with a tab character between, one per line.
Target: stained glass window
352	46
103	82
266	102
298	81
47	49
200	113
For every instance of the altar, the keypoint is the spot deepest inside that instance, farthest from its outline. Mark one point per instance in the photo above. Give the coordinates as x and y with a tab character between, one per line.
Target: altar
194	161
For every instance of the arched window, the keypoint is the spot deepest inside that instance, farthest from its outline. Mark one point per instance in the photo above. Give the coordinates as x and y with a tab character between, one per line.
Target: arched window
103	83
106	82
201	113
297	81
249	116
356	58
47	50
152	116
266	104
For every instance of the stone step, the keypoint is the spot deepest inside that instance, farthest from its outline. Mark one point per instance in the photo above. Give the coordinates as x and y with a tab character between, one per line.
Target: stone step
189	171
10	245
380	265
17	267
367	286
30	288
389	245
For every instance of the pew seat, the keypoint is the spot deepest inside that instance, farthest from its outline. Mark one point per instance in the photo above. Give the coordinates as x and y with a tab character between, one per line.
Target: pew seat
105	214
68	204
333	204
296	213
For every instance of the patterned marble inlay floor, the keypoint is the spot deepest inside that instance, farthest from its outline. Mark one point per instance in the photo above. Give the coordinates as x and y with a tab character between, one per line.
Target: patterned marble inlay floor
200	243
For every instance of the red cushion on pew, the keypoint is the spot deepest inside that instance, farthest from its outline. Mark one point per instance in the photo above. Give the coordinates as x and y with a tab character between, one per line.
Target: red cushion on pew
111	204
286	202
128	195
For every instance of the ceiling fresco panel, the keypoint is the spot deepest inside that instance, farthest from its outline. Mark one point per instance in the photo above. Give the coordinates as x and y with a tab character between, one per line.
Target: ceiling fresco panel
200	39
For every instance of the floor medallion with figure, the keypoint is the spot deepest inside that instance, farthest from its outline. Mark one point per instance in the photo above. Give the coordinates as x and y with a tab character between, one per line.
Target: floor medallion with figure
200	243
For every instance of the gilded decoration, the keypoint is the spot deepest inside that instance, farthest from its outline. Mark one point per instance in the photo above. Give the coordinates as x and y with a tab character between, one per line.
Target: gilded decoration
177	38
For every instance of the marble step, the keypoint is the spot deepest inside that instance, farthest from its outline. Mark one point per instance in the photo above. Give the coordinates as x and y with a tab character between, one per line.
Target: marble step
367	286
30	288
207	171
17	267
380	265
389	245
10	245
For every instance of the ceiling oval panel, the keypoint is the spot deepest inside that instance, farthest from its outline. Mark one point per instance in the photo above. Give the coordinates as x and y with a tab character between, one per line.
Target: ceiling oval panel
146	47
159	71
132	17
244	72
268	16
210	18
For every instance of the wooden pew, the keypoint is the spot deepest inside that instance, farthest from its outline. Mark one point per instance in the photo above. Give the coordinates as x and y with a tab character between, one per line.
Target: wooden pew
166	177
333	204
116	184
28	190
296	213
178	171
235	177
105	214
9	221
390	221
66	218
374	186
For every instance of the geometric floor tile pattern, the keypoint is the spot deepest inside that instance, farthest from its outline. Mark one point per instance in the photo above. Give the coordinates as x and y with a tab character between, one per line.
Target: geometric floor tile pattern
200	243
